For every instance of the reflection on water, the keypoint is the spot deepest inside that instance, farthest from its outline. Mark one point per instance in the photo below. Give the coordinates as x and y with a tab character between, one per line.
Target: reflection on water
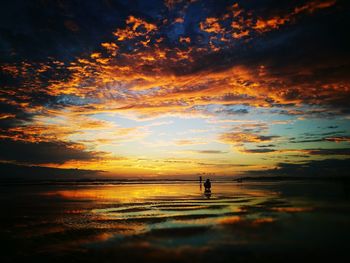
179	222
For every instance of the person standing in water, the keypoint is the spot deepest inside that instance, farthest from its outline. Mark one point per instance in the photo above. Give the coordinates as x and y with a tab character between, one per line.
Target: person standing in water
207	185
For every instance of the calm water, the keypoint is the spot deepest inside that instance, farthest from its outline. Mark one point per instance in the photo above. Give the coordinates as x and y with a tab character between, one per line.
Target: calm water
247	222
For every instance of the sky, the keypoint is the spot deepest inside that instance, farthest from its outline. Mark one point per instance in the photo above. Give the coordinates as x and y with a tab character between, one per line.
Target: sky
175	88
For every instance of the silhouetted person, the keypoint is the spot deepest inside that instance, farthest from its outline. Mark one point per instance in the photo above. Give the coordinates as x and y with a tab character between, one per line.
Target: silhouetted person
200	183
207	185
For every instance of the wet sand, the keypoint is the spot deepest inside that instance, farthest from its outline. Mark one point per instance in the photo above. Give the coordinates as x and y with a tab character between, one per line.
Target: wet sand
175	222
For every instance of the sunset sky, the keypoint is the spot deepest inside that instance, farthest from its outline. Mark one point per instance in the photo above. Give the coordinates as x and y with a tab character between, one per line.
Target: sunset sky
176	88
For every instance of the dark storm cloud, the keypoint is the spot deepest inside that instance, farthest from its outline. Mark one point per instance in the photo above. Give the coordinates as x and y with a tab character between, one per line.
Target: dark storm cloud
12	116
44	152
37	29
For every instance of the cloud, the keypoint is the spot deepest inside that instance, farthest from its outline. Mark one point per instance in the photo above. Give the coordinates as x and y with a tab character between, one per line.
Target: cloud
222	60
12	115
241	137
338	139
316	138
136	27
28	173
306	152
54	152
264	150
333	151
266	146
145	60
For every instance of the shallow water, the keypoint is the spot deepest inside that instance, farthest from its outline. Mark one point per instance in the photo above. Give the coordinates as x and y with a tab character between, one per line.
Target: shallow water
175	222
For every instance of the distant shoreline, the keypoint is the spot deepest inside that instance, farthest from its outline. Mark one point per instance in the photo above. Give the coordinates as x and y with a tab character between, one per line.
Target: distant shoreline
291	178
169	181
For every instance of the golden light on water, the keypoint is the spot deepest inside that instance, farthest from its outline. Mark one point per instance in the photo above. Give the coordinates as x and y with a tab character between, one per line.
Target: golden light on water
128	193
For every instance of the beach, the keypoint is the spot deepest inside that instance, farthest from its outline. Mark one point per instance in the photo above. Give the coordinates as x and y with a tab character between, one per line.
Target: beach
175	222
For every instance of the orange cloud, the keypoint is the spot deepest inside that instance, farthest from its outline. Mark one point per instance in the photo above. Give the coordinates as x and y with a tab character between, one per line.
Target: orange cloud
314	5
135	27
244	23
338	139
150	67
112	48
240	137
211	25
263	25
